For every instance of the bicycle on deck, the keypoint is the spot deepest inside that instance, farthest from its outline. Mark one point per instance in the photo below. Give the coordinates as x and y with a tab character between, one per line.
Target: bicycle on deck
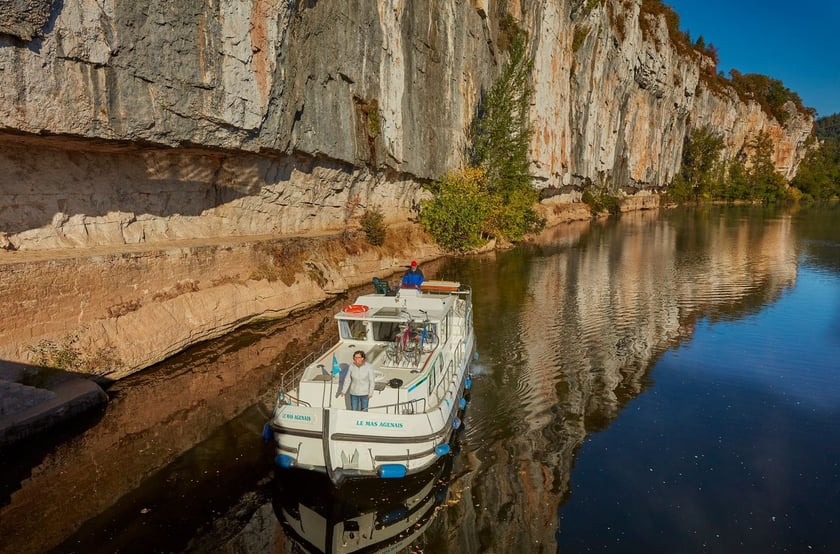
426	338
402	348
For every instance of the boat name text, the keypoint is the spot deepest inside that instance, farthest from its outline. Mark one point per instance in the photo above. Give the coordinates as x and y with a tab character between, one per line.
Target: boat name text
297	417
388	424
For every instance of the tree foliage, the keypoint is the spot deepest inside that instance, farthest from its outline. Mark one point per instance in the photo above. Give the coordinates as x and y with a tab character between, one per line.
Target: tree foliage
373	225
768	185
501	132
703	176
818	177
828	127
494	196
457	215
700	170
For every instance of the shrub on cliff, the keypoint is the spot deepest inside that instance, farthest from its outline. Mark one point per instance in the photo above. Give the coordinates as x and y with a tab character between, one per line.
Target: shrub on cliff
600	202
373	226
69	355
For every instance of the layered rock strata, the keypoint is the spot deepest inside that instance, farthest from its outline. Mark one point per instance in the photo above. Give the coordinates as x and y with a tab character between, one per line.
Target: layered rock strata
142	124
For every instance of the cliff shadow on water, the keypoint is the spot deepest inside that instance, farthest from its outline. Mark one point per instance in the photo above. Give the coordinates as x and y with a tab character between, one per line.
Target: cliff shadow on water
155	419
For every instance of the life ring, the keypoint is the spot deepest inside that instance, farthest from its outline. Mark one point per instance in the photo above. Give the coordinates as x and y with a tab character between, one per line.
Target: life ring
355	309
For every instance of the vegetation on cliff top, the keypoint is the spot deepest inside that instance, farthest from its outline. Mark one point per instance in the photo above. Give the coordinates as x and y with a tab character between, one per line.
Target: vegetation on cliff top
769	93
493	196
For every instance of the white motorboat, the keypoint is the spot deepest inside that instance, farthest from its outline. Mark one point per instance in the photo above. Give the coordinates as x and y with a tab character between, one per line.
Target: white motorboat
421	344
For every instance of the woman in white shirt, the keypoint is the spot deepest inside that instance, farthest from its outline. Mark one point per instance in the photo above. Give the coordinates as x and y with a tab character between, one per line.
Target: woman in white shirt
359	382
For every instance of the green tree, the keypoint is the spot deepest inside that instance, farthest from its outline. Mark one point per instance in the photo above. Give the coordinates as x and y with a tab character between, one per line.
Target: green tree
701	157
457	216
700	168
737	185
754	178
768	185
373	225
500	136
493	197
501	132
818	177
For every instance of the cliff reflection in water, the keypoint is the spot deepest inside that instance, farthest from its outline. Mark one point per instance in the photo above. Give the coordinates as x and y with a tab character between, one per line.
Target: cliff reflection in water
153	419
568	330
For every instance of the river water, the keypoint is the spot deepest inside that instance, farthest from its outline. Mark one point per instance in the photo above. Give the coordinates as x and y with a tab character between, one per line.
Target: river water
656	382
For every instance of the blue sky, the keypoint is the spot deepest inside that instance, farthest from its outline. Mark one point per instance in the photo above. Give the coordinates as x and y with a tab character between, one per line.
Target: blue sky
795	42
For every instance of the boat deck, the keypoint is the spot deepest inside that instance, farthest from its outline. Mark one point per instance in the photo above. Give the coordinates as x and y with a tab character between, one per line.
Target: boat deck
320	374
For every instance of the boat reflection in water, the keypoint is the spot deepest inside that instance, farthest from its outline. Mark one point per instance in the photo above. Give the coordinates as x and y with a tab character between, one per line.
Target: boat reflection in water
363	515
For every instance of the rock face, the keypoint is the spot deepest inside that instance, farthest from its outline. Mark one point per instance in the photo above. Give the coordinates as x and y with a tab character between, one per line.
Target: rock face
292	111
132	124
24	19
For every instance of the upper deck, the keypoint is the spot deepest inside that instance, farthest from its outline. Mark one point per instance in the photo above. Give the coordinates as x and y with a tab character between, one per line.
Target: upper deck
373	324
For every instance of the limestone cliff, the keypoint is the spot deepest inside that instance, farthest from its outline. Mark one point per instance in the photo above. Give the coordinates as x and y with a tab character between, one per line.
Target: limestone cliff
285	112
145	123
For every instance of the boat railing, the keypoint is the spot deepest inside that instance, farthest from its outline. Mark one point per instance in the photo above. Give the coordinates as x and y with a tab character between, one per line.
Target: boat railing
416	406
445	379
291	376
286	398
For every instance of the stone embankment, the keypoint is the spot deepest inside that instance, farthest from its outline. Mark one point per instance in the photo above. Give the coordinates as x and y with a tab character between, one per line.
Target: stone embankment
52	398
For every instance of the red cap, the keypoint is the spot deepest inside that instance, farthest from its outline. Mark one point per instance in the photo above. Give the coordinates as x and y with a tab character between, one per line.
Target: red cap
413	264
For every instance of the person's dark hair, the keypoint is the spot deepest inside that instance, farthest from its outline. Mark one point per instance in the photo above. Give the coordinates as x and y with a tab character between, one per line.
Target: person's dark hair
359	353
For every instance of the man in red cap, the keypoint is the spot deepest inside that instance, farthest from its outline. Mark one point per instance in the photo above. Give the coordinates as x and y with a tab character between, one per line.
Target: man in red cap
413	278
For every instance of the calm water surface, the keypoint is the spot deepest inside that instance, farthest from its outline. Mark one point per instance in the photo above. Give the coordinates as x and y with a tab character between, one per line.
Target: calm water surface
656	383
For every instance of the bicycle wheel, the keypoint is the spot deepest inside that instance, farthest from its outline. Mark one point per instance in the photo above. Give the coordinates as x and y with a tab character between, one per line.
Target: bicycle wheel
412	355
430	342
393	352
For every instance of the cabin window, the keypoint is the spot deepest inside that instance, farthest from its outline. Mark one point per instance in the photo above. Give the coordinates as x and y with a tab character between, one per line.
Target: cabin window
432	376
353	330
385	330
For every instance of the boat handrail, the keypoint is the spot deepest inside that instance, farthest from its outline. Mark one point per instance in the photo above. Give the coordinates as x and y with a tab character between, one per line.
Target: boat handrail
445	379
295	372
286	398
399	406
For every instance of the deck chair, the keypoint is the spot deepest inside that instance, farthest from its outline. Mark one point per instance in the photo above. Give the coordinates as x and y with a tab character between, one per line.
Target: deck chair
382	287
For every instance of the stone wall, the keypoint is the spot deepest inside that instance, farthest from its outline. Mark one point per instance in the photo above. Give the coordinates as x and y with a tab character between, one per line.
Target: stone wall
146	304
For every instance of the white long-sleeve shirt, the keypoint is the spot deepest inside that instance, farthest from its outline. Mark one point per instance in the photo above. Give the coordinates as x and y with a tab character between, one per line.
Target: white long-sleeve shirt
360	380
